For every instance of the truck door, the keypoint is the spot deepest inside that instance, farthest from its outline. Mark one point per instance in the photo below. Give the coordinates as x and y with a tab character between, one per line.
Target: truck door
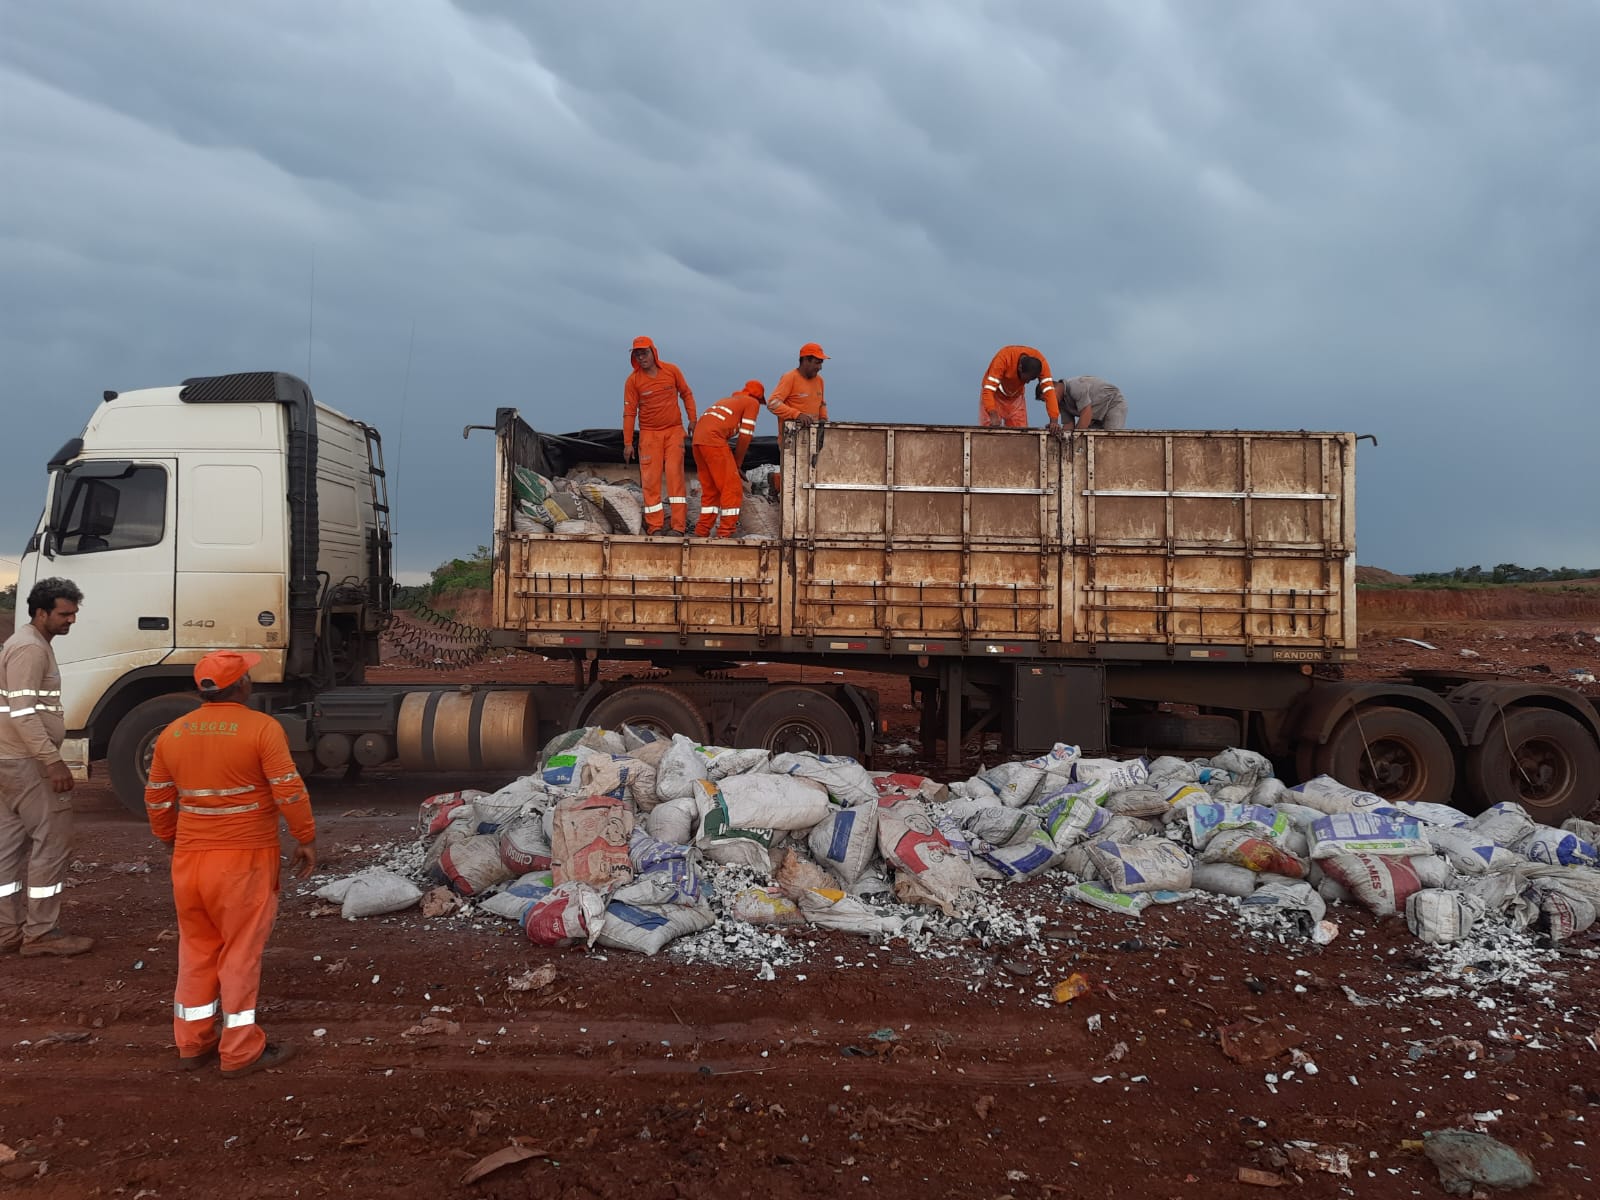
110	531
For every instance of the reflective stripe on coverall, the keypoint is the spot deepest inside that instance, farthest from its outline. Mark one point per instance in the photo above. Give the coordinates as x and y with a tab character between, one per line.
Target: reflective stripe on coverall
35	821
653	399
1003	394
220	779
719	466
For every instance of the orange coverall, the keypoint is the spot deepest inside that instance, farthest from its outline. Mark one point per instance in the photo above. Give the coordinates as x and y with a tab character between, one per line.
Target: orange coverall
653	397
794	395
1003	394
719	465
220	778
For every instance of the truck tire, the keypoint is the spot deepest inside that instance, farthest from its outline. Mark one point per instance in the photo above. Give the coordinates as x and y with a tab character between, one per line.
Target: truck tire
133	742
795	719
1391	752
1544	760
661	710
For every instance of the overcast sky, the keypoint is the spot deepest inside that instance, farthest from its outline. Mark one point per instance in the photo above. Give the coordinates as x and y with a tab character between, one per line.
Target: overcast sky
1361	216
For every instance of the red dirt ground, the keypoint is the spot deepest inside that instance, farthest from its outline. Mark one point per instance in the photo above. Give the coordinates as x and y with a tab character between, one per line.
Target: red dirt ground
660	1078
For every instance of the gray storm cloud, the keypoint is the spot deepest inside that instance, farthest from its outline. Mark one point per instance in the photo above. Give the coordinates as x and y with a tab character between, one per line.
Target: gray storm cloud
1361	216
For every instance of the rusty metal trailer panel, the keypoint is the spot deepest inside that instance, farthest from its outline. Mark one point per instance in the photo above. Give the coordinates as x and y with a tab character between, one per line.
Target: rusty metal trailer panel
951	540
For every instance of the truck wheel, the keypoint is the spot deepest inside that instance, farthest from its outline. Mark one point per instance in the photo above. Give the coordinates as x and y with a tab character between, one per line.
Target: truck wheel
1392	752
662	710
792	720
133	744
1542	759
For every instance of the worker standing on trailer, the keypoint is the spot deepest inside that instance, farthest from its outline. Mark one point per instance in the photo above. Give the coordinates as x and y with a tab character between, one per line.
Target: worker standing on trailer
220	779
799	394
1002	398
721	465
35	784
1091	403
652	394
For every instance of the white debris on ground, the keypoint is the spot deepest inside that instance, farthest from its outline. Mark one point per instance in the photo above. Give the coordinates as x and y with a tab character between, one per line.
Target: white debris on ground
729	857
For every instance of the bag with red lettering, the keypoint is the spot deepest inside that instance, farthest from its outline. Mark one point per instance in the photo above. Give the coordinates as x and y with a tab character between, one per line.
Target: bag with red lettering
571	913
438	811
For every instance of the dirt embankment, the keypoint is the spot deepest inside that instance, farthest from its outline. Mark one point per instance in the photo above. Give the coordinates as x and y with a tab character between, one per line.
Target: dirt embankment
1390	606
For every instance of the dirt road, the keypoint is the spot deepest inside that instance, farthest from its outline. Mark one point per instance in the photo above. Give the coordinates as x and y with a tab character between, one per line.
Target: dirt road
859	1070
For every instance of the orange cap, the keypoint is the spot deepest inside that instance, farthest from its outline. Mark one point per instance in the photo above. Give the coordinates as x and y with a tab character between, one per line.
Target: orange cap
642	343
752	387
811	350
223	668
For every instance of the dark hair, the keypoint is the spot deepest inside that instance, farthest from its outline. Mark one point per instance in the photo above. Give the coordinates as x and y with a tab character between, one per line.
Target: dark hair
1028	366
223	695
46	592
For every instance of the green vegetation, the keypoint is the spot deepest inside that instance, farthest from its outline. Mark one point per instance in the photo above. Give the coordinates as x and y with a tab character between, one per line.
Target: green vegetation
457	575
8	599
1503	573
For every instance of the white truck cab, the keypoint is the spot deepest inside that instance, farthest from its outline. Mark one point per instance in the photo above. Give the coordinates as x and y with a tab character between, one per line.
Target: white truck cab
231	512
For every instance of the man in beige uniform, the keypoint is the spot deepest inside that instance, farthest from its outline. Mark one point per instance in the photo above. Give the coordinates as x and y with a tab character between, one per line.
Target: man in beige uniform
35	785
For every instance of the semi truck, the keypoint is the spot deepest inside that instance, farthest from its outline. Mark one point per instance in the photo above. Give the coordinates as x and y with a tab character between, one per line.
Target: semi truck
1136	591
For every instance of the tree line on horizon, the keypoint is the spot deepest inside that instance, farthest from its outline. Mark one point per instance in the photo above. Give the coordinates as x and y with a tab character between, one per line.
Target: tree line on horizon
1505	573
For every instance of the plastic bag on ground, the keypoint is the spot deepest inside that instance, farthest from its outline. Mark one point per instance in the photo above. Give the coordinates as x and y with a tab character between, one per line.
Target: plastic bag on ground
1140	802
1240	848
562	773
1436	915
589	842
846	841
1223	879
675	821
896	783
1589	831
847	781
1001	826
1113	773
608	775
1245	766
794	875
648	929
724	763
1368	833
1057	760
591	737
1205	820
436	811
516	799
663	873
1016	861
1292	898
928	870
1557	847
472	866
733	845
830	908
1270	793
569	914
524	846
1429	814
1471	851
1069	817
637	737
1562	911
681	768
767	801
1079	862
1379	884
1149	865
1015	783
513	901
370	894
759	906
1099	896
1328	796
1507	823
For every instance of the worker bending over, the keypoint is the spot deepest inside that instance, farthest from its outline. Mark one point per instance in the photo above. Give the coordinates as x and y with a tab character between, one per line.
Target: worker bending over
652	394
1003	400
1091	403
799	394
720	464
219	781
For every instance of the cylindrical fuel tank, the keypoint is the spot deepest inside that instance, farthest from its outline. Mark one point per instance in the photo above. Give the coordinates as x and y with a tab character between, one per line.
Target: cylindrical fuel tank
333	749
468	730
